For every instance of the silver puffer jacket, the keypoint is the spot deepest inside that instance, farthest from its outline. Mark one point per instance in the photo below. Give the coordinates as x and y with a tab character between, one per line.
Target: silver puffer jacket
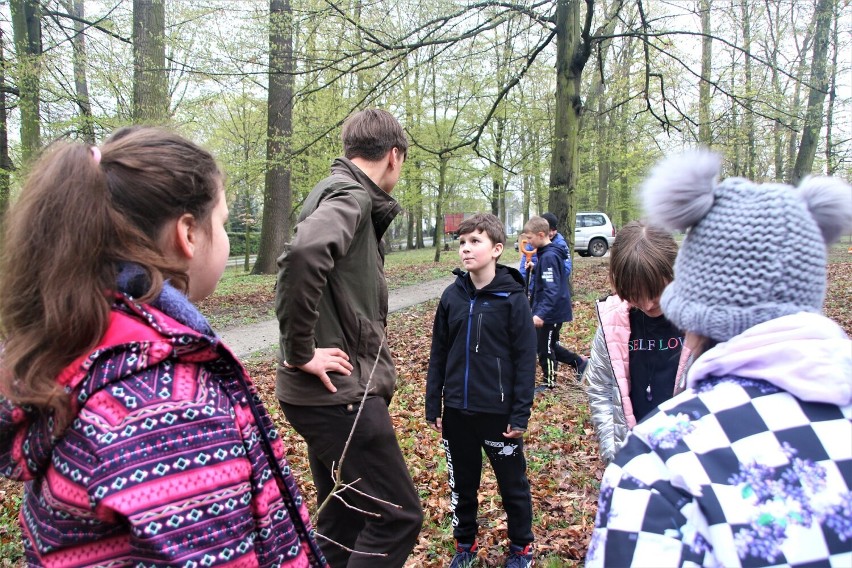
607	376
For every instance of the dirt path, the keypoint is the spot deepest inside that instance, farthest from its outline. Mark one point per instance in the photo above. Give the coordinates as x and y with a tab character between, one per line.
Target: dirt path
263	335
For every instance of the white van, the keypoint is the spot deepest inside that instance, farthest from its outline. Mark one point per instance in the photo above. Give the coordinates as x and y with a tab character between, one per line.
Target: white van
593	233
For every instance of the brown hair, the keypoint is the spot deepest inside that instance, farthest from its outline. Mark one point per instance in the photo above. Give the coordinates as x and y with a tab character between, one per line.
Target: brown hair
537	225
485	222
372	133
641	262
75	220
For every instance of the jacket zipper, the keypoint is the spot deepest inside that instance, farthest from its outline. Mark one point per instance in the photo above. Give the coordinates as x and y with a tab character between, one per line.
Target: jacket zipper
478	332
500	380
467	349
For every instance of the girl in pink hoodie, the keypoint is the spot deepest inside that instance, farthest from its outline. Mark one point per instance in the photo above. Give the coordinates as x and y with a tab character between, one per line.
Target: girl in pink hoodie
139	436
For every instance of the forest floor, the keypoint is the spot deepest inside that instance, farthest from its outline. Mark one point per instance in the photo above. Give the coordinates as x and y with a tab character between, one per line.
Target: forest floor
563	465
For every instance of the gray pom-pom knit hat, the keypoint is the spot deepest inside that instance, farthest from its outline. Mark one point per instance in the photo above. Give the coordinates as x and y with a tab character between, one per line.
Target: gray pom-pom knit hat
752	253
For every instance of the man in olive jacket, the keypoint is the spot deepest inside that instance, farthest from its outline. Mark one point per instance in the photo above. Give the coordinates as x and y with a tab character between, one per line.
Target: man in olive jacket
332	305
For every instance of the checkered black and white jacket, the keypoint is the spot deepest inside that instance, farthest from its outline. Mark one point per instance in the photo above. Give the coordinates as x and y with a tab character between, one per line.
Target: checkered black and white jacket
750	466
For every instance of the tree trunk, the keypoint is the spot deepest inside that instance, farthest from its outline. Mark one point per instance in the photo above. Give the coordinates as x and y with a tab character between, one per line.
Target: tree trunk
277	193
150	77
818	88
748	115
439	206
604	125
526	179
571	57
419	184
77	9
496	168
830	158
705	135
796	102
26	32
777	126
5	161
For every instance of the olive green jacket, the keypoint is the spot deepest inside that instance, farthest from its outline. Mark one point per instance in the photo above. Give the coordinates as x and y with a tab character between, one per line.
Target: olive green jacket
332	292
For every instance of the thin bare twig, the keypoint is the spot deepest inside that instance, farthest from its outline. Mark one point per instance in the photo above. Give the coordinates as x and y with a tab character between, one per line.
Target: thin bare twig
347	549
337	476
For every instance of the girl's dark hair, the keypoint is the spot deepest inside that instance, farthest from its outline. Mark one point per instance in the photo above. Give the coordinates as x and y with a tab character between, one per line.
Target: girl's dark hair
74	221
641	261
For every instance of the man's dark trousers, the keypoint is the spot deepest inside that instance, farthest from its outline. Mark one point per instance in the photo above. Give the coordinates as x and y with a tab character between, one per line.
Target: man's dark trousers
373	457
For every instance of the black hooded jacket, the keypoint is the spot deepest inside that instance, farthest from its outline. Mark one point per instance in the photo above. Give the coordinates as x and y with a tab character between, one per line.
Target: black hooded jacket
483	356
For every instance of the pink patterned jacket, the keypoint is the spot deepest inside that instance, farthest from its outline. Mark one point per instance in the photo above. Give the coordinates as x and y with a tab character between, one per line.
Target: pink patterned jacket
171	459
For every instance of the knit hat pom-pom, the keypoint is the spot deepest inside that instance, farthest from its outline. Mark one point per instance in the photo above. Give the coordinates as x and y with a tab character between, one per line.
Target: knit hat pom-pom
829	201
679	191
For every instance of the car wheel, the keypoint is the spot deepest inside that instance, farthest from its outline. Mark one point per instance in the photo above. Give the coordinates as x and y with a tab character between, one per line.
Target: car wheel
598	247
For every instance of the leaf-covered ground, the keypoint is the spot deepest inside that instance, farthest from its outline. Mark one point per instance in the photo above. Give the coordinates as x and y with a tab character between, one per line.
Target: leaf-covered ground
564	469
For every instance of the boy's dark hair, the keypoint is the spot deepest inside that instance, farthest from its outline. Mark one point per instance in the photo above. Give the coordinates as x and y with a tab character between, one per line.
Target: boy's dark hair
537	225
371	133
551	220
485	222
641	261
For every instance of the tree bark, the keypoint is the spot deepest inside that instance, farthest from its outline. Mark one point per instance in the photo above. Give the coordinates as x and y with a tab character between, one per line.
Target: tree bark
705	135
571	57
26	32
497	197
830	157
277	193
150	76
818	88
81	84
748	115
444	160
5	161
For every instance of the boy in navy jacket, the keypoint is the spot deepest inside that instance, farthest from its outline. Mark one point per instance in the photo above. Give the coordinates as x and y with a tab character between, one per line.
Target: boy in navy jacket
551	301
479	388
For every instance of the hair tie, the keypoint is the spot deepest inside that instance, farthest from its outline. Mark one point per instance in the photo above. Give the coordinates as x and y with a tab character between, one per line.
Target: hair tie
96	154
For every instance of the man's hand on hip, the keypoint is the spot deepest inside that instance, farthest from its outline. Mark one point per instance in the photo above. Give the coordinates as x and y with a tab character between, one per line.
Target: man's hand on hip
325	360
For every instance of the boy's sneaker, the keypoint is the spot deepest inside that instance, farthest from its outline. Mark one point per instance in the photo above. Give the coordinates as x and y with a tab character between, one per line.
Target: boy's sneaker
519	557
465	555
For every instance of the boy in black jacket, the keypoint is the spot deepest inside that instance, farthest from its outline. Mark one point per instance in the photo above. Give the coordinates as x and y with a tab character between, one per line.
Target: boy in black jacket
551	301
482	367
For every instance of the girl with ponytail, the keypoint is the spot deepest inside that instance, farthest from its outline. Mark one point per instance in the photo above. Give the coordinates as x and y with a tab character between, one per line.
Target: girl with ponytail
138	434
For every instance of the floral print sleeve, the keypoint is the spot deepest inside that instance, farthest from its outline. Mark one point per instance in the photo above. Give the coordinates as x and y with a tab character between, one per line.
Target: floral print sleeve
737	473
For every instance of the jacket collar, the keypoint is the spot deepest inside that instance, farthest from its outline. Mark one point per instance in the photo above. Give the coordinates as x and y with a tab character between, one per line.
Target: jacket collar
506	280
805	354
384	207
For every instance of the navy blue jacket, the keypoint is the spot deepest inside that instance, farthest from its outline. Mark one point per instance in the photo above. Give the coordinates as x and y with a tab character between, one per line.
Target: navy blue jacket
559	241
483	356
551	298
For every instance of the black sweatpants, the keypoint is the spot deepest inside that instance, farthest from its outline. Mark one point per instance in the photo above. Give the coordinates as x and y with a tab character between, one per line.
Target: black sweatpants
465	435
375	459
550	353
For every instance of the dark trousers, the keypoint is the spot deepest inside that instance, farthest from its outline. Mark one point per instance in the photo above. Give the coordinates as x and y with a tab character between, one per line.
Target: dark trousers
550	353
465	435
373	458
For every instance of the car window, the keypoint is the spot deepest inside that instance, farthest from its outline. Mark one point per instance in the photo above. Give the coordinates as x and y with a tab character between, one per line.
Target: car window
590	221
